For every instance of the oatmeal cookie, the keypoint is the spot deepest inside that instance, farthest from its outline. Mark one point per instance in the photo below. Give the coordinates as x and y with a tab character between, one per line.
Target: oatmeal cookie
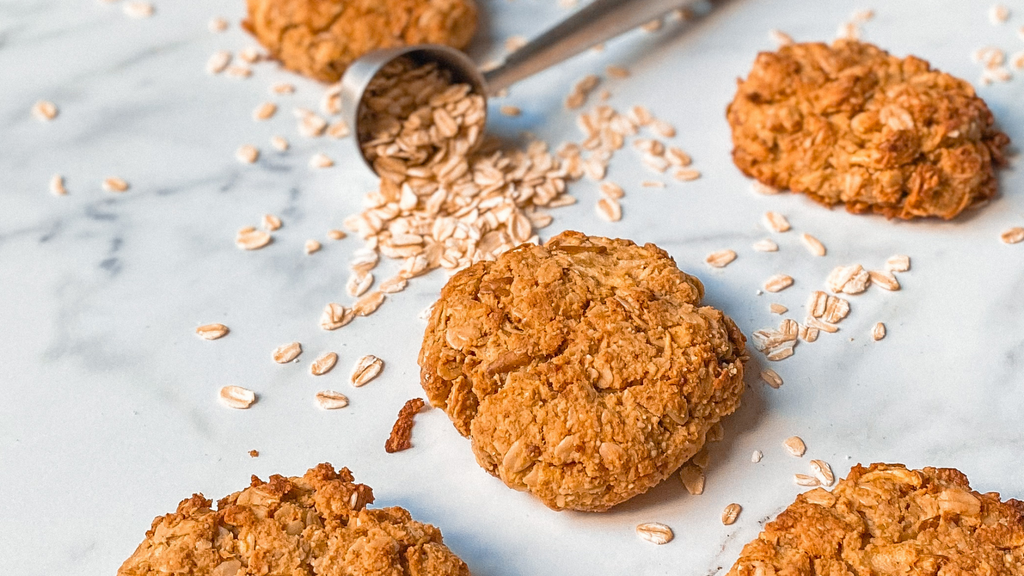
320	38
314	524
851	124
886	520
584	371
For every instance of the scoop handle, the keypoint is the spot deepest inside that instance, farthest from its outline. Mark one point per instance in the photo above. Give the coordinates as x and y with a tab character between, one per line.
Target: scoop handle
598	21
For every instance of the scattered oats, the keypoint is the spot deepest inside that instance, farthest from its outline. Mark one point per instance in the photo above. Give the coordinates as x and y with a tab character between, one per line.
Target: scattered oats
287	352
720	259
426	313
851	279
806	480
138	9
795	446
237	397
862	16
849	31
358	283
766	245
249	238
335	316
878	331
609	209
339	130
780	38
686	174
822	325
271	222
114	184
663	129
692	477
655	532
282	88
998	14
320	160
239	72
756	456
311	246
612	190
776	308
616	71
775	222
653	25
823	471
701	459
217	24
1017	60
323	364
250	55
264	111
780	354
677	157
510	110
279	142
898	263
581	90
44	110
57	185
771	378
247	154
330	102
567	3
763	189
1013	235
393	285
331	400
814	246
885	280
731	513
366	369
368	304
336	235
778	283
513	43
652	184
212	331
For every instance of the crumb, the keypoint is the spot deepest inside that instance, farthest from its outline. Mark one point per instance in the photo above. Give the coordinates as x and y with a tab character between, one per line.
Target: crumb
401	432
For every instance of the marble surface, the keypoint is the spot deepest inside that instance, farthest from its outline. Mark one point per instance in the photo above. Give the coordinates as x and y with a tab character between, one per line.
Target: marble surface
108	410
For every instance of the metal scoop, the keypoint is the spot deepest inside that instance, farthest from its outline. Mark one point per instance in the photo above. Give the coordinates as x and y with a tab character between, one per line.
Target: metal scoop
597	22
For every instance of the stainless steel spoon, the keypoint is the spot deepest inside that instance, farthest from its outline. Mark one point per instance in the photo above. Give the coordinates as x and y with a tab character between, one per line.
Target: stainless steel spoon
597	22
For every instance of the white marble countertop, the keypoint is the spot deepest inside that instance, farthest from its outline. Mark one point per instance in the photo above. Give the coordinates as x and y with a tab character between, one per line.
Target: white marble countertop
108	410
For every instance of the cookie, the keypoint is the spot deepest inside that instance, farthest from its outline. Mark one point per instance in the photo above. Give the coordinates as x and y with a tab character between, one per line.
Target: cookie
320	38
585	371
886	520
851	124
314	524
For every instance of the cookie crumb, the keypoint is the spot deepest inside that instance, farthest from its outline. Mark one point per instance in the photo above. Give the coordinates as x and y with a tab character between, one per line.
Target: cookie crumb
254	453
401	433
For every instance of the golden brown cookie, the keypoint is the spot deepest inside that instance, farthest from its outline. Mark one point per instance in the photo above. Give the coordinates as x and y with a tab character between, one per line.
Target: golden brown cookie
886	520
851	124
585	371
320	38
314	524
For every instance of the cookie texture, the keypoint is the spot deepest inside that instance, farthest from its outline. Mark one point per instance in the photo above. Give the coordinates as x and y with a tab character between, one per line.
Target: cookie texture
320	38
887	520
314	524
851	124
584	371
